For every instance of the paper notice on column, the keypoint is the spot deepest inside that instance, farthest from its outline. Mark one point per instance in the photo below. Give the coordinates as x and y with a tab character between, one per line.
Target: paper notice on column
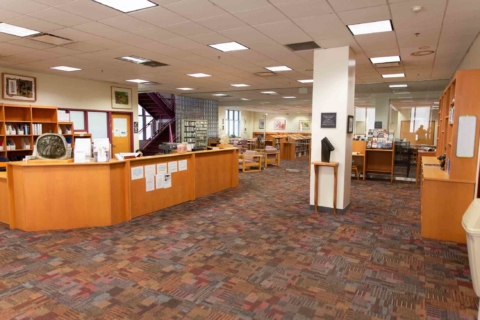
150	170
182	165
137	173
150	181
160	180
161	168
120	127
172	167
168	181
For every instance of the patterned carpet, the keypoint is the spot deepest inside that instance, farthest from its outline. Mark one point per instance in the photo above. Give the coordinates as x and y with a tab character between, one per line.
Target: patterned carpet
254	252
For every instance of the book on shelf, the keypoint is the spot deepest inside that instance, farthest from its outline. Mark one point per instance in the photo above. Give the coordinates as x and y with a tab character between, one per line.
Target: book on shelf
25	143
11	144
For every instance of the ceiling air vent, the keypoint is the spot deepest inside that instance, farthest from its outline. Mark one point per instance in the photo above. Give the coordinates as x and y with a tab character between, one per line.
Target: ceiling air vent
265	74
154	64
51	39
388	65
302	46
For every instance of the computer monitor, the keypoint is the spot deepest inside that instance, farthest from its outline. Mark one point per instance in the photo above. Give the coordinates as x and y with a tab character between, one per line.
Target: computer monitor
327	147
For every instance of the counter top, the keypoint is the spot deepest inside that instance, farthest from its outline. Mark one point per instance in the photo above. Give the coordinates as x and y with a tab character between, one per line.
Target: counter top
3	175
431	171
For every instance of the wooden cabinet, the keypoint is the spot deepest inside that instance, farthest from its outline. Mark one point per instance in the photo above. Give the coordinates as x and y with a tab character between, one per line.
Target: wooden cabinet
296	146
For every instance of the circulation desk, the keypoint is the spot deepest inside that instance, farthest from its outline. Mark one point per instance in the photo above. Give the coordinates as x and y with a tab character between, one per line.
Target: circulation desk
45	195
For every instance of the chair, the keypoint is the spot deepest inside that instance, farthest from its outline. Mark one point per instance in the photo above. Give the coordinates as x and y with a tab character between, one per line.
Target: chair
355	169
250	159
3	165
272	156
402	155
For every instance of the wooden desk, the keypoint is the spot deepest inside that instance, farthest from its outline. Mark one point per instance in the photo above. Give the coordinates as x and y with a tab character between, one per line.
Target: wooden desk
52	196
420	154
443	202
360	147
4	213
381	161
316	169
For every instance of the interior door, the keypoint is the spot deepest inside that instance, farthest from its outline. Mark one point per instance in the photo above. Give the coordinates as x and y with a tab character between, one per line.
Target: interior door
121	135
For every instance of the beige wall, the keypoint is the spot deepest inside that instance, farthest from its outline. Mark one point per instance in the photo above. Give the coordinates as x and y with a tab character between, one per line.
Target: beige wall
472	58
247	121
293	121
72	93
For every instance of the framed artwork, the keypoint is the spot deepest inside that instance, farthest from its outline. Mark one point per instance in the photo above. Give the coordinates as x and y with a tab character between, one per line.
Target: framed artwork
20	88
279	124
304	125
121	98
261	124
350	124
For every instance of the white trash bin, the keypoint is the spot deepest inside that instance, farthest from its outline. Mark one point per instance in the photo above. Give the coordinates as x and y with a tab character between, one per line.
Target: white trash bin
471	224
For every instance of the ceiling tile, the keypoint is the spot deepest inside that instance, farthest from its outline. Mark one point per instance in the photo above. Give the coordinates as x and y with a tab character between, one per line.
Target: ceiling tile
295	9
158	16
187	29
339	42
261	15
165	49
195	9
31	43
54	3
345	5
157	34
244	5
377	41
60	17
7	15
246	36
89	9
63	51
363	15
210	38
284	32
83	46
327	26
35	24
22	6
8	49
126	23
73	34
223	22
430	17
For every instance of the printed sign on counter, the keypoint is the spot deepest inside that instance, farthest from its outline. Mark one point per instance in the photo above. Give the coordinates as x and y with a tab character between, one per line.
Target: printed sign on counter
137	173
160	179
161	168
168	181
150	183
172	167
150	170
182	165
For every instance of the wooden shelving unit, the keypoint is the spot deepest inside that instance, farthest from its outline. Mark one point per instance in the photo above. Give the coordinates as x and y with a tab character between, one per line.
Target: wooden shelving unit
296	146
445	197
28	117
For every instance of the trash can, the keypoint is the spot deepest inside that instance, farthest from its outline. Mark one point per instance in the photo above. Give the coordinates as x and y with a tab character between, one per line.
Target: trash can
471	224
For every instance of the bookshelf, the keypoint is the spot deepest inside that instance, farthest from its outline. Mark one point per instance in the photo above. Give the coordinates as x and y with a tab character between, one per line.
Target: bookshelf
296	146
196	132
21	125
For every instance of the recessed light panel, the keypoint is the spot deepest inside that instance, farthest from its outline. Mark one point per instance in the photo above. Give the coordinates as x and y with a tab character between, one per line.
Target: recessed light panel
394	75
228	46
199	75
185	89
269	92
219	94
306	81
385	59
371	27
240	85
64	68
138	81
278	68
398	86
405	92
289	97
436	102
244	99
16	31
127	5
134	59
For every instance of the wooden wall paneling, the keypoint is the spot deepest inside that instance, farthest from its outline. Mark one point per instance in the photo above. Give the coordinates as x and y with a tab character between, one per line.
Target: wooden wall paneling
118	192
235	171
213	172
17	198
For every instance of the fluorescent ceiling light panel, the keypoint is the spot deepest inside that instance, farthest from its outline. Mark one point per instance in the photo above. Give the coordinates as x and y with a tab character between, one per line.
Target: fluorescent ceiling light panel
64	68
370	27
405	92
138	81
289	97
268	92
398	86
394	75
228	46
127	5
244	99
135	59
199	75
306	81
16	31
185	89
240	85
219	94
278	68
435	102
385	59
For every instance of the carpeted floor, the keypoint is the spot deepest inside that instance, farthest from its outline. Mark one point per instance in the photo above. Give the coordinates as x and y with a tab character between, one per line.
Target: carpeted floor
254	252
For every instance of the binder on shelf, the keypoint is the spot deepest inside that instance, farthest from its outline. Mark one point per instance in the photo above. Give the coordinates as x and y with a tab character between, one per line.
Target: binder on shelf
1	144
25	143
11	144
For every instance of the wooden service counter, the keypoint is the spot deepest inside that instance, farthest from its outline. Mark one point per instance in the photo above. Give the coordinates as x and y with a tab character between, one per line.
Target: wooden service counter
50	196
443	202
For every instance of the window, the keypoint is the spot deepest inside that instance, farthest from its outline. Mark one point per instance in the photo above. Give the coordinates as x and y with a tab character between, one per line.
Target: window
364	120
233	123
144	119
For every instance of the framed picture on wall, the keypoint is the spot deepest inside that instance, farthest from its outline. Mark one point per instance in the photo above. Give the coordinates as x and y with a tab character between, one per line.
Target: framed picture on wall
20	88
279	124
121	98
261	124
304	125
350	124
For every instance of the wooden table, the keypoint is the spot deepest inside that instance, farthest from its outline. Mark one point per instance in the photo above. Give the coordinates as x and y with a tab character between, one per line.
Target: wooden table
362	159
316	169
420	154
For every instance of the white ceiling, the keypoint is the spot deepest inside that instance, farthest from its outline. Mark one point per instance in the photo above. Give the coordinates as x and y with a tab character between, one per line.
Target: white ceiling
177	32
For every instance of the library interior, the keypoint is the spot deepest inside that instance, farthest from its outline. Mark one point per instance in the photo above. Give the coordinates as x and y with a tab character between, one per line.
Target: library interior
225	159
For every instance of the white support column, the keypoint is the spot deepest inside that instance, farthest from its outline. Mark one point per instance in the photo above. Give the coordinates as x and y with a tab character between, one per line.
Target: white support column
333	91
